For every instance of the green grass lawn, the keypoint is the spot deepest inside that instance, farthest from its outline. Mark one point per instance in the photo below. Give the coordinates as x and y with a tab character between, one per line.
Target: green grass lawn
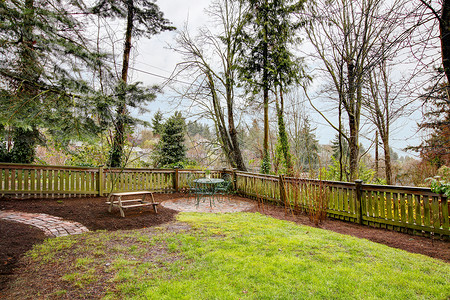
239	256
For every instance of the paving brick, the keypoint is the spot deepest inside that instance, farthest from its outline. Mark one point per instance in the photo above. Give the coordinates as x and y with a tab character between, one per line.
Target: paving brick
51	225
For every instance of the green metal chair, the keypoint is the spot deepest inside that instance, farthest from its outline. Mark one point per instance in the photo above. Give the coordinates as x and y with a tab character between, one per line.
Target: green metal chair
191	186
225	188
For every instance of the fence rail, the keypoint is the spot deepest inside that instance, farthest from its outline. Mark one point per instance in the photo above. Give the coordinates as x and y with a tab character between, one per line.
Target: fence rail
59	181
407	209
410	209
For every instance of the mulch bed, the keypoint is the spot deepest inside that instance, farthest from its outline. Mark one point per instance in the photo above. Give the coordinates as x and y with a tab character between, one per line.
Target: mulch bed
92	212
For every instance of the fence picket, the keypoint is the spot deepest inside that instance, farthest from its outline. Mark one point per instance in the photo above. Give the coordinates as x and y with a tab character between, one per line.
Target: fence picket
388	197
395	199
418	210
426	211
19	180
445	213
435	222
370	203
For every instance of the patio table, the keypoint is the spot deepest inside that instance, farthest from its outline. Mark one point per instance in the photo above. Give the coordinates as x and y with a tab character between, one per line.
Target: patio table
207	187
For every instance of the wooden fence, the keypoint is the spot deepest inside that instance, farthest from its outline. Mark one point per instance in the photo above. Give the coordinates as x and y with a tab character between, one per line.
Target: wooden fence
407	209
410	209
63	181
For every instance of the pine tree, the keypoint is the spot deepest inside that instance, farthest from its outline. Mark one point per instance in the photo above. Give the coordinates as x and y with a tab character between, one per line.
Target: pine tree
171	148
157	123
306	147
42	56
143	18
436	147
267	64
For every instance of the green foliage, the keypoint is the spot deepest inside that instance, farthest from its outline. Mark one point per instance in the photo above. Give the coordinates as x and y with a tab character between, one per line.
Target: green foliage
194	128
127	95
364	173
283	155
157	123
444	172
333	172
306	147
23	146
44	59
441	184
266	61
143	18
337	151
89	155
265	164
147	21
171	149
436	125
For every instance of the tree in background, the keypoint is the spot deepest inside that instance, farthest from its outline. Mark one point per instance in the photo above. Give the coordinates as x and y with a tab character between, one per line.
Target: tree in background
171	150
349	39
440	12
210	61
267	63
143	18
436	147
43	56
194	127
157	123
305	146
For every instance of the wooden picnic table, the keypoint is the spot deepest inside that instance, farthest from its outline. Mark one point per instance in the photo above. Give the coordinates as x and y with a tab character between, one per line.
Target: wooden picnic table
115	200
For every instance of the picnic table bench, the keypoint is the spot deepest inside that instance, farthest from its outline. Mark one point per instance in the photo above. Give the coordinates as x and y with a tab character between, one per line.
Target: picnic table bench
115	200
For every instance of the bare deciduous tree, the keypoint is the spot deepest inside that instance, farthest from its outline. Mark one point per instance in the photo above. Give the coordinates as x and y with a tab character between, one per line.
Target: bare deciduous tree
213	89
348	38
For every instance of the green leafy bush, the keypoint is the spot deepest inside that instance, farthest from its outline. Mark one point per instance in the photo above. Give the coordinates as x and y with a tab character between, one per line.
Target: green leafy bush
439	186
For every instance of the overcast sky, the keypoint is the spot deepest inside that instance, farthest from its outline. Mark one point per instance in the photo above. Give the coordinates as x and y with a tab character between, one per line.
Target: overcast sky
152	59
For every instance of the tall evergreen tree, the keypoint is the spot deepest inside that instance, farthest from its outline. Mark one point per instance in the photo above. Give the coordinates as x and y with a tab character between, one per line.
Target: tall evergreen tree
267	64
157	123
143	18
436	147
171	148
43	56
306	146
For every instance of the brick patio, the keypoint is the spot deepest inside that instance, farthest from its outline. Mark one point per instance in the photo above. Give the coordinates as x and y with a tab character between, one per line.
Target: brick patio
51	225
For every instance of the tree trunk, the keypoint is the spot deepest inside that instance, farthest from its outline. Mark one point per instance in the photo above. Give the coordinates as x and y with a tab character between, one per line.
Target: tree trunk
266	163
444	30
376	155
387	160
341	168
353	148
352	109
236	150
282	135
223	135
116	155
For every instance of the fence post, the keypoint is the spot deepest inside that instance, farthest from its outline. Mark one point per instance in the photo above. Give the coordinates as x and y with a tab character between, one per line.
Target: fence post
358	186
445	212
234	180
176	180
100	181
